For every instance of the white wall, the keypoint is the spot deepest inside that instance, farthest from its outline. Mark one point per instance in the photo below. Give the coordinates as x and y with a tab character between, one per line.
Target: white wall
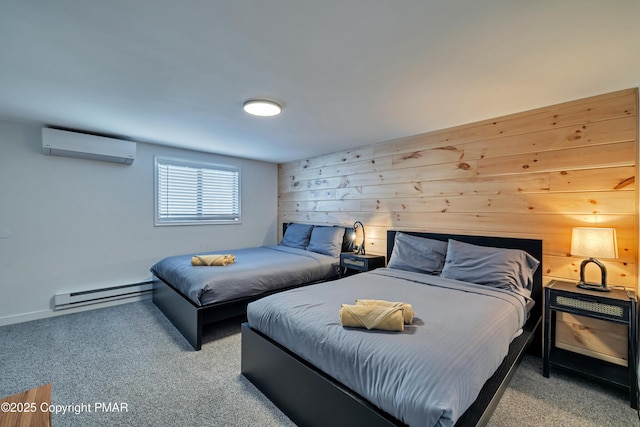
80	224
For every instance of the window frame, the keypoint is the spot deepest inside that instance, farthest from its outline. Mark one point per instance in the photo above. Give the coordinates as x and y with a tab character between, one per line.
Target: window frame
193	220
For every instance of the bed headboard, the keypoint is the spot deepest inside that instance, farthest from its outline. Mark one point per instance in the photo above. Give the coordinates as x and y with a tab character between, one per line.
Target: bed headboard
531	246
347	241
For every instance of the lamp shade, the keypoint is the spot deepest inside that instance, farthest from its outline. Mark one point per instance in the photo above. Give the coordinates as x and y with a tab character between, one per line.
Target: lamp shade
594	242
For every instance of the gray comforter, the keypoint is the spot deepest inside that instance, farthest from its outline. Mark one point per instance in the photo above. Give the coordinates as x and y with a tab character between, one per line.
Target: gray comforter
427	375
255	271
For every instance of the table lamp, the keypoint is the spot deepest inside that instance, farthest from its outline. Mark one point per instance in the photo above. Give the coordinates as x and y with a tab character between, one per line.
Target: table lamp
594	243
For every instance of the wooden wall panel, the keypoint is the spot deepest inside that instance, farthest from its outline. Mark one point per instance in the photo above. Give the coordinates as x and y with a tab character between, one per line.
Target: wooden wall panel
593	157
607	179
532	174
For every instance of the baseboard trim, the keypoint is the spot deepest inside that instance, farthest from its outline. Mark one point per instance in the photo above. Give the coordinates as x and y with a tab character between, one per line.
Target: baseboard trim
37	315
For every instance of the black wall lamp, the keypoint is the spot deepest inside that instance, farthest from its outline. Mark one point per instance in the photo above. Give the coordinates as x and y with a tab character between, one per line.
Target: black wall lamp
359	248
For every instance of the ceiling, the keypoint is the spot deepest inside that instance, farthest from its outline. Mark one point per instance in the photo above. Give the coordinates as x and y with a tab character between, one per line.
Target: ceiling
349	73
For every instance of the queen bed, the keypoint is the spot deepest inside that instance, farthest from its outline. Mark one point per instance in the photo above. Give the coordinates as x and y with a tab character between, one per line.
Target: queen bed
192	296
477	310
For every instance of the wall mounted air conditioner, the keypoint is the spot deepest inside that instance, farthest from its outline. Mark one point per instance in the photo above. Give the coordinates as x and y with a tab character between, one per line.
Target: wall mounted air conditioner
84	146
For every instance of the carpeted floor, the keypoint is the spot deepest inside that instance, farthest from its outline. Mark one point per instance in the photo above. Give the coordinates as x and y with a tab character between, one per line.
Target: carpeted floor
131	354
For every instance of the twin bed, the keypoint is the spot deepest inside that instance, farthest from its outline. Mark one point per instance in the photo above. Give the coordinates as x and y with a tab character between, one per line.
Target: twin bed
192	297
477	303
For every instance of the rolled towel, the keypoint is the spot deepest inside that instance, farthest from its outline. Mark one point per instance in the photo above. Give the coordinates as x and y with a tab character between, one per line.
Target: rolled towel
407	309
372	317
212	260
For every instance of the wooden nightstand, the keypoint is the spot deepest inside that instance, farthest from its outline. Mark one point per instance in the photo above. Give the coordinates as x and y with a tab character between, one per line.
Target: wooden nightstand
592	333
359	263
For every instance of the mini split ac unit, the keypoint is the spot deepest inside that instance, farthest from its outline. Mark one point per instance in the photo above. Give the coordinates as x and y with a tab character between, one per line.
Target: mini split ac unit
84	146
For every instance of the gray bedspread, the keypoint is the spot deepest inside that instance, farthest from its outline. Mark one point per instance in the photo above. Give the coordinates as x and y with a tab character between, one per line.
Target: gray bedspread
255	271
427	375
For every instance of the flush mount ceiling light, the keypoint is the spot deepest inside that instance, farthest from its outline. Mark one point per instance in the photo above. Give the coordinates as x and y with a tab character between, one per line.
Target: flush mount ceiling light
262	107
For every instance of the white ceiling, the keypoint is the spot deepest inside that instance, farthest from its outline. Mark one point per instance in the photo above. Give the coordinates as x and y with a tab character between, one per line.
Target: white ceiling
349	72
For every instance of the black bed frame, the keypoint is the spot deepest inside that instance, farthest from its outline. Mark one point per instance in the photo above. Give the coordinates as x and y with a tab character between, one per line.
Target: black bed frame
311	398
190	318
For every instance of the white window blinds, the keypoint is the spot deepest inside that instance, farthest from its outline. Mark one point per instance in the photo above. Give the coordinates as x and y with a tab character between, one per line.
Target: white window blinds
196	193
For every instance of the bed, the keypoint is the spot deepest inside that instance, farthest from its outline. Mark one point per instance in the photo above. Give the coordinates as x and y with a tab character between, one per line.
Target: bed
194	296
328	385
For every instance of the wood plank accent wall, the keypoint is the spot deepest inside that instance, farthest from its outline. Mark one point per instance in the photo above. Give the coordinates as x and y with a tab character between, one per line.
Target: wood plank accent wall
534	174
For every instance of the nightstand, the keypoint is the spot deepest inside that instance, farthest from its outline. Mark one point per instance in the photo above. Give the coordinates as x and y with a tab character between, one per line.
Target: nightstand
592	333
359	263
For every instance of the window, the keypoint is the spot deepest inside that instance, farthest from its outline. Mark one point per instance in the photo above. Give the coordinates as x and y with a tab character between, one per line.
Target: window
196	193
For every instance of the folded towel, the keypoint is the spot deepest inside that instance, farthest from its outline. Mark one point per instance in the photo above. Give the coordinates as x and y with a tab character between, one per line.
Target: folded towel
407	309
211	260
372	317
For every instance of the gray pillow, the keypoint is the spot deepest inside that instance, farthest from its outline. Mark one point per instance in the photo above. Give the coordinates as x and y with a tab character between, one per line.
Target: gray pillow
297	236
326	240
510	269
417	254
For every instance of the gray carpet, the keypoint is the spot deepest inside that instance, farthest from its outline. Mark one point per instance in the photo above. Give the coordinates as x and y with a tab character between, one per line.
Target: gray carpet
132	354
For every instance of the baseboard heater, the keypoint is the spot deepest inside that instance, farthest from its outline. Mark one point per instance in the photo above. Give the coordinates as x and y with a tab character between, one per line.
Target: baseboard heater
96	296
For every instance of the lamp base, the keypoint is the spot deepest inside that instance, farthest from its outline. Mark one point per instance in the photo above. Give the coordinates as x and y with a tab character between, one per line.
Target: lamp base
601	287
593	287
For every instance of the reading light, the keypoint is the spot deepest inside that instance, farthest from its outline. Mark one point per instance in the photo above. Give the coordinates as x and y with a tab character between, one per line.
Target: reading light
359	248
262	107
594	243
